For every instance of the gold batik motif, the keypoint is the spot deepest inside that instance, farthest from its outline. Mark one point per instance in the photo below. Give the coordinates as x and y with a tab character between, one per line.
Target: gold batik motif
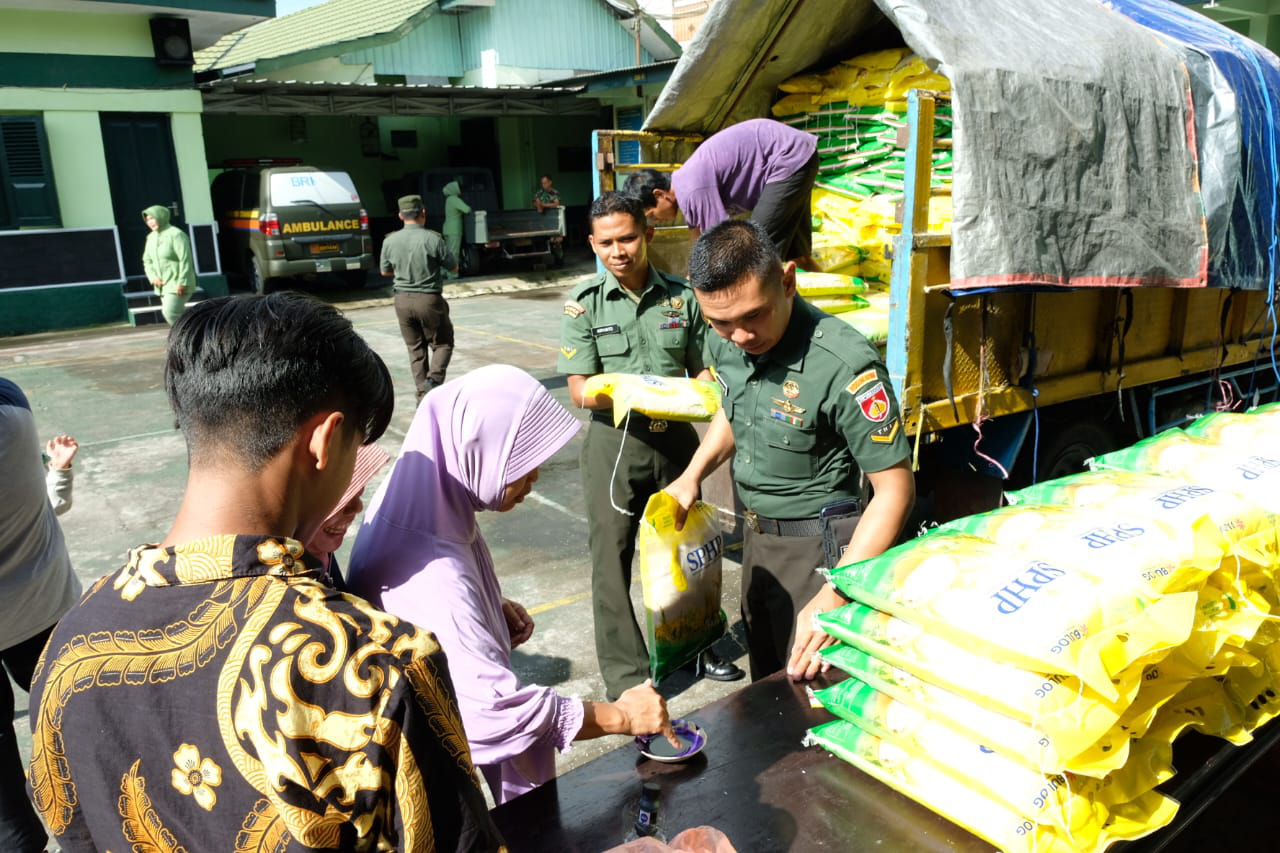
262	831
442	715
111	659
142	827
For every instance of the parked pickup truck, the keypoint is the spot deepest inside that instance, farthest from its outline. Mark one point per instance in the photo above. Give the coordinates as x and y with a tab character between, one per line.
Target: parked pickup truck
488	231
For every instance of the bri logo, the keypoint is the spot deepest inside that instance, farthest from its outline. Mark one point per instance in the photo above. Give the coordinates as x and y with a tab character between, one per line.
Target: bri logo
1102	537
697	559
1010	597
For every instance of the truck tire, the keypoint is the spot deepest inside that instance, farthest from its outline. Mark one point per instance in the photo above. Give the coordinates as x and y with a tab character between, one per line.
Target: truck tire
258	281
472	259
1066	447
355	279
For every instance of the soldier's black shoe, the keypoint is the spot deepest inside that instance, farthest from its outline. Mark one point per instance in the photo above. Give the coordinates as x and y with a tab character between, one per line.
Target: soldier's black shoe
717	668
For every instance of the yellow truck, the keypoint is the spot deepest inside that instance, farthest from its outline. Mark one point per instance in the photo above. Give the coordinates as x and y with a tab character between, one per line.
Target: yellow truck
1012	382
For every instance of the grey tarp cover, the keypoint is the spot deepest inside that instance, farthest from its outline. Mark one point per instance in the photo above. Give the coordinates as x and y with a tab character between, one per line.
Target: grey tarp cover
1074	158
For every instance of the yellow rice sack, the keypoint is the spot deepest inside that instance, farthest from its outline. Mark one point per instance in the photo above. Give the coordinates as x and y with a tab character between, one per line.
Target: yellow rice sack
680	577
1031	611
672	398
923	781
1029	744
1076	726
820	284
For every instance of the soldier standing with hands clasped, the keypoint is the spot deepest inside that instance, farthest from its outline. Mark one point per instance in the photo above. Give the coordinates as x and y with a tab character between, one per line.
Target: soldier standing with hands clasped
632	318
808	410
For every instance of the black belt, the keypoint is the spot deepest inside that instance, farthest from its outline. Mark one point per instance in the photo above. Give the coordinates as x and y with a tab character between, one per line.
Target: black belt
638	422
783	526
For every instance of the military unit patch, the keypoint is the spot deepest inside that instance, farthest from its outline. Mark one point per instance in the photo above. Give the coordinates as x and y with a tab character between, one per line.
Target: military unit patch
874	402
573	309
791	389
887	433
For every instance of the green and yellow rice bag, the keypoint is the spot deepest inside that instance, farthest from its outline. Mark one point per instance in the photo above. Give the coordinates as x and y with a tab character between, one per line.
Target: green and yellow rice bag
672	398
1258	428
1025	608
1107	542
680	578
1045	796
1077	724
823	284
1029	744
920	779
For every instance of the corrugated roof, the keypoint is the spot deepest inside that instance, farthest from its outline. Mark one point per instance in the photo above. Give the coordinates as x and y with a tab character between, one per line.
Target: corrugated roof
335	22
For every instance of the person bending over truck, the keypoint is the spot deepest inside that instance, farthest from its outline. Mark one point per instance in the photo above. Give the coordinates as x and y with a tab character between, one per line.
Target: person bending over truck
418	259
808	411
632	318
759	165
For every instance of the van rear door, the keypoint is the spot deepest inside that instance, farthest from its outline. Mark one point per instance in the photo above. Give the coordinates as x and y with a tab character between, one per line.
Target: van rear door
319	214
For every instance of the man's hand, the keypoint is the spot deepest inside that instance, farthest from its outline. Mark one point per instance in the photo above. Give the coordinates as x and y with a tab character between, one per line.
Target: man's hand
519	622
61	449
685	490
805	663
644	712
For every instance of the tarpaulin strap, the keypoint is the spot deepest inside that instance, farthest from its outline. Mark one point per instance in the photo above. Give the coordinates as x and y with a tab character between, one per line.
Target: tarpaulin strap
1222	329
1122	330
1029	382
948	334
980	415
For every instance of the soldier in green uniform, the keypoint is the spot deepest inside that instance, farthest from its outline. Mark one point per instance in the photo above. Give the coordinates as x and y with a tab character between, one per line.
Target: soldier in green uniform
418	259
631	319
808	412
547	197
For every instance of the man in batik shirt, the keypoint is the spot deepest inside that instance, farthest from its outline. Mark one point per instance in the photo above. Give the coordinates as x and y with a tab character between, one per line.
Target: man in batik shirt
217	693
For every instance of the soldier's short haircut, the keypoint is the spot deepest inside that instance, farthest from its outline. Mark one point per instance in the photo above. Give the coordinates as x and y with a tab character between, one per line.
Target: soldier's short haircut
610	202
730	252
410	215
641	185
243	373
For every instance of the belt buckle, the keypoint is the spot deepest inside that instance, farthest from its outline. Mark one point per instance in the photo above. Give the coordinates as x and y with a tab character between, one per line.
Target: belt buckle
657	426
753	520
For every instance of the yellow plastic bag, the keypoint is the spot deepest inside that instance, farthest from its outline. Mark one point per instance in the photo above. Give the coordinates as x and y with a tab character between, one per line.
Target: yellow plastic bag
680	576
672	398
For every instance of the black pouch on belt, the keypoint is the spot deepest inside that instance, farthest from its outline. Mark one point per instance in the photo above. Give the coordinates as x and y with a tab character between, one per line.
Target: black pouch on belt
838	521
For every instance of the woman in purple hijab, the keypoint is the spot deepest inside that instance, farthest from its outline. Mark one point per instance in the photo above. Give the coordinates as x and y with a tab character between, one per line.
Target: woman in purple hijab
475	444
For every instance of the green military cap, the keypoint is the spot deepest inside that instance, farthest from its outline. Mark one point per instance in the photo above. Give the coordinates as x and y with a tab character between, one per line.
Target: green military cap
410	203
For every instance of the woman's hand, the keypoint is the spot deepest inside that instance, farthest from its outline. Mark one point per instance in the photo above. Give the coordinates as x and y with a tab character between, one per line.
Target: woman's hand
519	622
182	290
644	712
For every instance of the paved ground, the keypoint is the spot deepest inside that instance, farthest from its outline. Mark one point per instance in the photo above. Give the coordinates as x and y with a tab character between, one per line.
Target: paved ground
104	386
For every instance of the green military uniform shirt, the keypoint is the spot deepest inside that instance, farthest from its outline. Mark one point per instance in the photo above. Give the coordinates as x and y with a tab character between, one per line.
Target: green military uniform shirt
604	330
419	258
808	415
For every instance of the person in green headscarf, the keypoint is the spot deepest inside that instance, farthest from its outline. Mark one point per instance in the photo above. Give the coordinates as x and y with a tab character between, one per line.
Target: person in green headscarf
454	209
166	258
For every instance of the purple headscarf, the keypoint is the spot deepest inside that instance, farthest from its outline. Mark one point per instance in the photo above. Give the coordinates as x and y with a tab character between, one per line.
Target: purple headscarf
419	554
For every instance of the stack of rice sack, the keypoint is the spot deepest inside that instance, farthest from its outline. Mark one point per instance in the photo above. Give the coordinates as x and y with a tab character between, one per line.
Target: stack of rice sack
1024	672
856	111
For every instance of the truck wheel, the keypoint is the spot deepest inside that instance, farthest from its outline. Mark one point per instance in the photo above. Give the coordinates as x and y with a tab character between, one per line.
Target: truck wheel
472	260
258	282
356	279
1066	448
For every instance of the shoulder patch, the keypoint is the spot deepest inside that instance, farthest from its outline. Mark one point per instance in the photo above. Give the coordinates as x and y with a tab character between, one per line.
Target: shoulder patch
861	381
886	433
874	402
573	309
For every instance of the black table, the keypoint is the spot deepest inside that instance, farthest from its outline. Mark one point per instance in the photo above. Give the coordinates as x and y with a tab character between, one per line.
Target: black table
754	782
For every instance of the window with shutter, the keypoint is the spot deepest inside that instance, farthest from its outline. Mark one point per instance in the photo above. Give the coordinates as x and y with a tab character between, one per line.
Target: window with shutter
27	195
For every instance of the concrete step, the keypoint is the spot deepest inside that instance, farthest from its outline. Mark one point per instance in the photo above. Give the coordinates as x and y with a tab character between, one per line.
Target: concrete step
144	306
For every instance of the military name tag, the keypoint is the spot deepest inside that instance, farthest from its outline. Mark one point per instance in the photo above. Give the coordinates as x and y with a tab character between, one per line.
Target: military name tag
611	329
